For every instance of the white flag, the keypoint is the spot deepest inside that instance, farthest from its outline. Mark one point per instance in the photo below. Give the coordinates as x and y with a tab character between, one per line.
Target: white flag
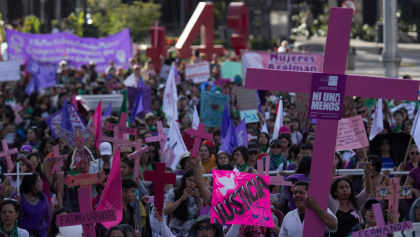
174	147
264	128
279	120
415	130
130	81
378	121
170	96
196	119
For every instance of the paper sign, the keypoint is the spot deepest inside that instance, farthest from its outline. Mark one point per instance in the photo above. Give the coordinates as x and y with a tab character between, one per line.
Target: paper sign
302	105
250	116
164	71
83	218
248	194
10	70
327	95
351	134
231	69
211	109
198	72
54	120
246	98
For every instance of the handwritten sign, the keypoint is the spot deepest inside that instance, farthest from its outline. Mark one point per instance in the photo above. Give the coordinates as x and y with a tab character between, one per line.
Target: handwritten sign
198	72
131	144
246	98
231	69
248	194
84	179
351	134
250	116
384	230
164	71
83	218
54	120
211	109
10	70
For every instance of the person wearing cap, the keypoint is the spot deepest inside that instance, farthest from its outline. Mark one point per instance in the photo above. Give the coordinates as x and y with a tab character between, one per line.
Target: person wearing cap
253	151
105	161
369	216
184	163
183	106
201	228
294	221
276	158
125	151
151	121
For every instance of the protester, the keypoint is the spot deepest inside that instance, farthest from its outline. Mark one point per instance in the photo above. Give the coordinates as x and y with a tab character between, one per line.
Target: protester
264	141
207	161
116	231
8	131
357	162
36	165
253	151
10	213
24	167
184	163
378	180
276	158
222	158
54	230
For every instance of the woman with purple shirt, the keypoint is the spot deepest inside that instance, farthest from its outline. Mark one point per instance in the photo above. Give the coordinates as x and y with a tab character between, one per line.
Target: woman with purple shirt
35	207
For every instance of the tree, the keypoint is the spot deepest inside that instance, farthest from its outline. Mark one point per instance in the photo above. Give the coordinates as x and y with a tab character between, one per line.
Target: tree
112	16
31	24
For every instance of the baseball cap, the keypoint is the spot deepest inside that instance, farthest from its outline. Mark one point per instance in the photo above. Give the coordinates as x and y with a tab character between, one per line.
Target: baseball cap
369	203
284	129
150	115
182	97
252	146
275	141
105	149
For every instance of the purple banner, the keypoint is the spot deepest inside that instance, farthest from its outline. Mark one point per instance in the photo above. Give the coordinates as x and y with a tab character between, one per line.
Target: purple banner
327	95
77	51
133	92
54	120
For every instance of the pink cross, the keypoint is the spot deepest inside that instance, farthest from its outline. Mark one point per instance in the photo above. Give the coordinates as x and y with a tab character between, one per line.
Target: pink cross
115	140
161	137
6	153
137	155
84	180
86	216
274	180
159	177
381	229
56	158
198	134
361	86
393	193
122	126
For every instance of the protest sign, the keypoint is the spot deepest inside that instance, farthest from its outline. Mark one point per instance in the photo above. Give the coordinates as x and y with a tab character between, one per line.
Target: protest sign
84	218
327	95
351	134
206	211
302	105
250	116
409	106
247	99
309	62
77	51
409	233
246	193
54	120
133	92
198	72
164	71
211	109
10	70
231	69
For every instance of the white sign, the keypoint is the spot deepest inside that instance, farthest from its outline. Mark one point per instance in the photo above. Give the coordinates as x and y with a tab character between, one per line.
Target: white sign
198	72
164	71
350	4
10	71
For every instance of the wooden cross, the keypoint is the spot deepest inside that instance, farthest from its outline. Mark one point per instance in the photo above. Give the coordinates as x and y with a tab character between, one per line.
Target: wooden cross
18	174
115	140
136	156
56	158
161	137
198	134
6	153
87	218
159	177
393	193
381	229
274	180
122	127
301	82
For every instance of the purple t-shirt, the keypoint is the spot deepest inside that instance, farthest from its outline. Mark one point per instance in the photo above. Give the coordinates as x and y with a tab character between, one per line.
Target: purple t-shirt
415	175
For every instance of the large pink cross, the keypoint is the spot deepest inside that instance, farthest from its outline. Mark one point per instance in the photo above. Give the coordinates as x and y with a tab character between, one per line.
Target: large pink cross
159	177
393	193
136	156
361	86
57	158
6	153
274	180
198	134
122	126
161	137
116	141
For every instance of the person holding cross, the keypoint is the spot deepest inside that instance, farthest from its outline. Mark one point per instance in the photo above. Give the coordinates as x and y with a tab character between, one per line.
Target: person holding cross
24	167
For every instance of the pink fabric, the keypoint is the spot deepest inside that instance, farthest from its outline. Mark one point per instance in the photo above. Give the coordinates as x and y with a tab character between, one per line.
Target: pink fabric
97	118
74	101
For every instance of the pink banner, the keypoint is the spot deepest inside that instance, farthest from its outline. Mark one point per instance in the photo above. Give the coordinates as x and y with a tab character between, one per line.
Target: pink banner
241	198
351	134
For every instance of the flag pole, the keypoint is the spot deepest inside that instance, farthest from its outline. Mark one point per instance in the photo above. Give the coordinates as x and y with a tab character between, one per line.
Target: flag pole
408	148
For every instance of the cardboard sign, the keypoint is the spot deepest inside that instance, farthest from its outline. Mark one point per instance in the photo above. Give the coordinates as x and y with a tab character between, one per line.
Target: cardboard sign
84	179
250	116
327	95
83	218
231	69
246	98
248	194
198	72
10	70
302	106
351	134
54	120
211	109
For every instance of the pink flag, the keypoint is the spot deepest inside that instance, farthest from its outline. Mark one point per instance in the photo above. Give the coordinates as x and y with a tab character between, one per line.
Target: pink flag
97	118
74	102
112	195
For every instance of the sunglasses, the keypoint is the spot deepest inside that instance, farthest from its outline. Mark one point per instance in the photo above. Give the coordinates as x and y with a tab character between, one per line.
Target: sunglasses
275	147
253	152
414	153
207	227
361	112
384	143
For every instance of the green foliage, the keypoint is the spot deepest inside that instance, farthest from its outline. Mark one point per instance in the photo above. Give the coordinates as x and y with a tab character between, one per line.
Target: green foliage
74	23
111	16
363	32
31	24
2	30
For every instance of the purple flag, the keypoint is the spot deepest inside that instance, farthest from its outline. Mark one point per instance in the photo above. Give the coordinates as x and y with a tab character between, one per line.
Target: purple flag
230	141
32	67
225	121
138	107
258	101
241	133
141	83
65	118
46	77
32	86
107	112
133	92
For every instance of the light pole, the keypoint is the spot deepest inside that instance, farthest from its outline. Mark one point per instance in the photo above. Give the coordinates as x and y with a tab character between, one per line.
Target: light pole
391	58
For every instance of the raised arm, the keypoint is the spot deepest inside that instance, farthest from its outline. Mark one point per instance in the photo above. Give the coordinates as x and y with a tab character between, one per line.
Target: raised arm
200	181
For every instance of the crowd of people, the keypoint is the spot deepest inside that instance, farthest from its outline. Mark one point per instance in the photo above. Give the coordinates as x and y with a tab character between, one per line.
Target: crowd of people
43	194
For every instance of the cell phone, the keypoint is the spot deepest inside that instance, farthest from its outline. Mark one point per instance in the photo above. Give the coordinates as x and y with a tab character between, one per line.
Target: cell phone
362	165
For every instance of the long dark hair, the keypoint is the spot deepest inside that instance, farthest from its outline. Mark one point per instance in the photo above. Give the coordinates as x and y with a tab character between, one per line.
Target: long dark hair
115	228
53	231
182	212
268	139
244	152
304	166
38	168
156	158
27	182
352	197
